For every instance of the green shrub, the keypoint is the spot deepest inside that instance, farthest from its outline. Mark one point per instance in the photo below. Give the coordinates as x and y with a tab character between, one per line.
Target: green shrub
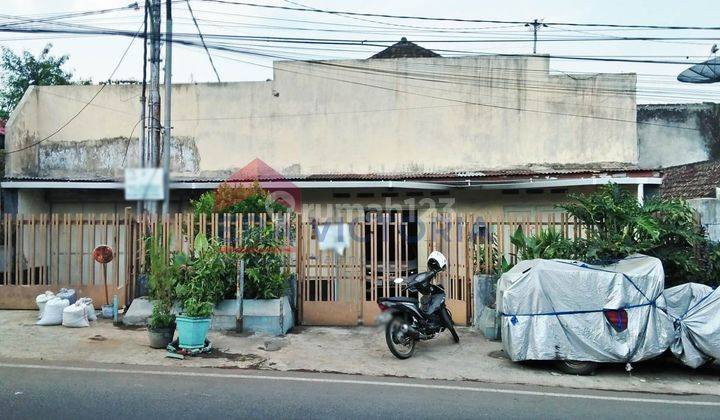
204	204
231	198
197	309
620	226
265	263
161	281
547	243
205	275
161	317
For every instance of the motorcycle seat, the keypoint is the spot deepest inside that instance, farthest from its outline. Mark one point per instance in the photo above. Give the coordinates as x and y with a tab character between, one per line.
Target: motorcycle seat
399	299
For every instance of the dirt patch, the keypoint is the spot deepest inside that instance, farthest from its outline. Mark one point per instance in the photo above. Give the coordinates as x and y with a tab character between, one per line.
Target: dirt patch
216	353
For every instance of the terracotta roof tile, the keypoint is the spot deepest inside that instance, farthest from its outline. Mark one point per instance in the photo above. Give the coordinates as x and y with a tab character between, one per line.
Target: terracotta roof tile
695	180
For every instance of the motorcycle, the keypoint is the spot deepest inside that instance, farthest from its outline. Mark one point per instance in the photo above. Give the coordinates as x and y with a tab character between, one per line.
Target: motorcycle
409	320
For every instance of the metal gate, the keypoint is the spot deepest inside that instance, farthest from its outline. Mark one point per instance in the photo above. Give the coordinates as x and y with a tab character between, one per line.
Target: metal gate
452	234
343	289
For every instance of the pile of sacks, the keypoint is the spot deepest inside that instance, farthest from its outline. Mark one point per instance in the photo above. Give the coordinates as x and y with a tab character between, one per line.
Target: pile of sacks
64	308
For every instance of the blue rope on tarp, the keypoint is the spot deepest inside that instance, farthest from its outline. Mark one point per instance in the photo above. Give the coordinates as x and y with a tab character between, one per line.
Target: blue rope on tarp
695	305
514	319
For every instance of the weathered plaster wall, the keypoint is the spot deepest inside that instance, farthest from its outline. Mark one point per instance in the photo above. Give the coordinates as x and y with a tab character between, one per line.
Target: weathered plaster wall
354	116
709	211
676	134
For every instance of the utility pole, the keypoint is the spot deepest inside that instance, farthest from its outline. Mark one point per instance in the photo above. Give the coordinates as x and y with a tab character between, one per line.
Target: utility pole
154	106
536	24
142	156
168	92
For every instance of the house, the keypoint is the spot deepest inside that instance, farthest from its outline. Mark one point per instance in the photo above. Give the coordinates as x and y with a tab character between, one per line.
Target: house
699	185
406	132
496	134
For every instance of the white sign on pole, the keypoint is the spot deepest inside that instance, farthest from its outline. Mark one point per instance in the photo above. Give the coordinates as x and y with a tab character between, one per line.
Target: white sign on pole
144	184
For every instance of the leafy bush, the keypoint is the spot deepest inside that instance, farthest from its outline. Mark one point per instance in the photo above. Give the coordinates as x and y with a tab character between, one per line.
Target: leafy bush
197	309
547	243
205	275
161	281
232	198
619	226
265	263
161	317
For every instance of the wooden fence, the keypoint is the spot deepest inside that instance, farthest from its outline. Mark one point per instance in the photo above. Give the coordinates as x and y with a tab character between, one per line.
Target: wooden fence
479	244
50	251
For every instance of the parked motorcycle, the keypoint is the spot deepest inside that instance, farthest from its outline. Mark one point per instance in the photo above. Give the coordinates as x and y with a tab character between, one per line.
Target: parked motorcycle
408	319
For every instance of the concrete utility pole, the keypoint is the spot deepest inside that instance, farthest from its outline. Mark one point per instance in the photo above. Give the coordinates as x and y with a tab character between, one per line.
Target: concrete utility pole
142	155
168	92
154	106
536	24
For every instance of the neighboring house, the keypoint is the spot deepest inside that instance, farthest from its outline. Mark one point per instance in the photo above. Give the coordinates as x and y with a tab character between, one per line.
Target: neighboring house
678	134
698	184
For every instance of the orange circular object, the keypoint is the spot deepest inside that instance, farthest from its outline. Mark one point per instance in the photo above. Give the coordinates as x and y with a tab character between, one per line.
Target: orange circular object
103	254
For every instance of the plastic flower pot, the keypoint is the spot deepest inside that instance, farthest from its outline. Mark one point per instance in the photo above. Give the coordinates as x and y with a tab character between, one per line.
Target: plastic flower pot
192	331
159	338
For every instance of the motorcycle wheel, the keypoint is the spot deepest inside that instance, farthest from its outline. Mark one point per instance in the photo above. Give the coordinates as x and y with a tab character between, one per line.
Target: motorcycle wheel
447	320
400	345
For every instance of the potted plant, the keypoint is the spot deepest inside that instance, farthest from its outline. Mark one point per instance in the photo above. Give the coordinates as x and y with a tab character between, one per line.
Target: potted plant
205	276
194	323
161	281
161	327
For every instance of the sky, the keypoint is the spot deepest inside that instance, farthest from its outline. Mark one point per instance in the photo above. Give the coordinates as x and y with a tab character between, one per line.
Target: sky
95	57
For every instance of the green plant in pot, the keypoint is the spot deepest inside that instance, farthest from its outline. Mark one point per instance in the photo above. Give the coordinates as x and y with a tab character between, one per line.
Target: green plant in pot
205	276
161	280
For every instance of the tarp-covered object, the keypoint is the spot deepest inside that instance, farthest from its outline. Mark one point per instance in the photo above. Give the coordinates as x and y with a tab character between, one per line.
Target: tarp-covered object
555	310
696	311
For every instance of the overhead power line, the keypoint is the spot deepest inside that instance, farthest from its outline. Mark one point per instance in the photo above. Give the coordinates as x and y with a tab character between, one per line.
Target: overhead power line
328	41
447	19
203	40
60	16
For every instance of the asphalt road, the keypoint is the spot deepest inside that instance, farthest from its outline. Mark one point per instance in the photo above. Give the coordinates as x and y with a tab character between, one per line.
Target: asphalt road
51	391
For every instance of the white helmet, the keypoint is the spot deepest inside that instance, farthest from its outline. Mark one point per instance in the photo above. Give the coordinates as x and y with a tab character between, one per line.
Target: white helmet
436	261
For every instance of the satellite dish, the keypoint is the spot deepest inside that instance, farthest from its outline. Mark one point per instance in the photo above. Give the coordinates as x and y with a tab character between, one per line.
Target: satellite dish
706	72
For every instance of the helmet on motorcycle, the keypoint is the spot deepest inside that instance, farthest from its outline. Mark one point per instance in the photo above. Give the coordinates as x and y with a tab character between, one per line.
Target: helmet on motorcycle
436	261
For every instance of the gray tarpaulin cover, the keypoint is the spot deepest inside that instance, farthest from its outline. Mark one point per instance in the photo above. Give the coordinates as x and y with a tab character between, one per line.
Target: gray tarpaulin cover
696	310
554	310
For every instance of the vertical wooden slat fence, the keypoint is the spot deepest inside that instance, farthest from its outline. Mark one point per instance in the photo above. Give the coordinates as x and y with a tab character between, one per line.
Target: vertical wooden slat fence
49	251
46	252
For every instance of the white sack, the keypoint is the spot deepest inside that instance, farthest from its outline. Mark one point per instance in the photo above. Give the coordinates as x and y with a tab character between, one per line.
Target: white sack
53	313
89	308
41	300
75	316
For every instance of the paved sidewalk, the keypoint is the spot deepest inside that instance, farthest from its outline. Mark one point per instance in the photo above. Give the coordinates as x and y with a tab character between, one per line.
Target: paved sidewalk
359	350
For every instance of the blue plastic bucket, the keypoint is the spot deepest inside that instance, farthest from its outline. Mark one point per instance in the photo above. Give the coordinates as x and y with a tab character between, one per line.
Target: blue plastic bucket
192	331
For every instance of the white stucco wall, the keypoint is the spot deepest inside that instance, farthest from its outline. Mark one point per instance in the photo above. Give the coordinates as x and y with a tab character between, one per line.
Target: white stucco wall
353	116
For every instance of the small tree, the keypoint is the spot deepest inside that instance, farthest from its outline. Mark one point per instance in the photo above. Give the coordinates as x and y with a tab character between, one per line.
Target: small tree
22	71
